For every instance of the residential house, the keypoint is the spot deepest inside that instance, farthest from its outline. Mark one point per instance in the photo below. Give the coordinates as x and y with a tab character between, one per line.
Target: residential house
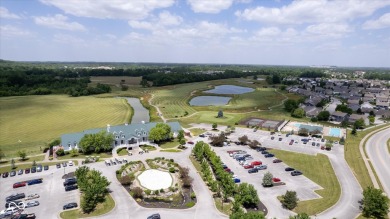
354	107
312	111
383	113
382	102
338	116
354	117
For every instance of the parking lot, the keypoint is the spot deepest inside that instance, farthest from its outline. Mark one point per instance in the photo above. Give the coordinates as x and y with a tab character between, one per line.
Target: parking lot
51	191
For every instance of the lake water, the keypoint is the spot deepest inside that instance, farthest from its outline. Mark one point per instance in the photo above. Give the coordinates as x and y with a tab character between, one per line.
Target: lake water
209	101
140	112
230	89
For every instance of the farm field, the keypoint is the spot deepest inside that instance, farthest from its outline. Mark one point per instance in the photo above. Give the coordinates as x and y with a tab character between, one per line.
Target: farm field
29	122
319	170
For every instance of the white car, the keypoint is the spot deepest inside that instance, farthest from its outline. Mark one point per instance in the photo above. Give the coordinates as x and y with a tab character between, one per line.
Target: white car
32	196
32	204
8	211
70	163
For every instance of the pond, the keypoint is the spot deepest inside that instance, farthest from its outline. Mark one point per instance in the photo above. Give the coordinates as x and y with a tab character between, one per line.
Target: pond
230	89
209	101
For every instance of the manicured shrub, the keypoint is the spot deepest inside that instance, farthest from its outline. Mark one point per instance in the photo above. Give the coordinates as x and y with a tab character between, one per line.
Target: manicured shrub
60	152
172	170
147	191
137	192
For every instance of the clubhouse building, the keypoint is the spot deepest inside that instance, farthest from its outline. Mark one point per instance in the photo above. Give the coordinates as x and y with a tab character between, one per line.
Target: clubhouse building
128	134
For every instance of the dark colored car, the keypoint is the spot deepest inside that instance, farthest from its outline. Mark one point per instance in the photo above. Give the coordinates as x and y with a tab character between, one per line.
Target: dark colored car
277	161
15	197
12	173
5	175
71	187
269	155
70	181
224	166
289	169
64	164
58	165
13	203
19	184
154	216
190	142
296	173
280	139
236	180
202	135
70	205
313	144
254	170
264	152
45	167
27	171
34	181
261	149
25	216
272	138
33	169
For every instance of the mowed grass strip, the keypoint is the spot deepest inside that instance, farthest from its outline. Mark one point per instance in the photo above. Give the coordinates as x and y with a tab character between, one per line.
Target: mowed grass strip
30	122
319	170
101	208
354	158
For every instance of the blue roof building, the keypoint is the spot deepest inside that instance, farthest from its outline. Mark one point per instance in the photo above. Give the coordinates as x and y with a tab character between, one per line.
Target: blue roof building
128	134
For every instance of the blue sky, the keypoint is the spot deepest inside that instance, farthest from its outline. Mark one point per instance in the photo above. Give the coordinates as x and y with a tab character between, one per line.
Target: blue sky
270	32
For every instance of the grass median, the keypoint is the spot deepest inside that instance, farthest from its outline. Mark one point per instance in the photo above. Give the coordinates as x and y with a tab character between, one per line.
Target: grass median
318	169
101	208
25	165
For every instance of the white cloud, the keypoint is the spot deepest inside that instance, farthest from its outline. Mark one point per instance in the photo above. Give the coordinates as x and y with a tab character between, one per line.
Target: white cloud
103	9
59	21
164	20
68	39
319	11
328	30
209	6
167	19
380	23
5	14
12	31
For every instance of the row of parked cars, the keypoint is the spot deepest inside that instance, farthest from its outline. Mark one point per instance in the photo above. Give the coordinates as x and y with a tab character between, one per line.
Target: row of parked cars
70	184
29	182
33	169
15	202
115	161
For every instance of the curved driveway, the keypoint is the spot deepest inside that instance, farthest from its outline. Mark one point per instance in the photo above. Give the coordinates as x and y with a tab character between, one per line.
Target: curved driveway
379	156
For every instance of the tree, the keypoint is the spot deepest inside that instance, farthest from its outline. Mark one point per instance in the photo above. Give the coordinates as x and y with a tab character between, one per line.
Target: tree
300	216
371	119
13	164
74	152
290	105
101	141
218	140
34	163
344	108
247	195
125	180
248	215
220	114
323	116
243	139
22	154
267	179
2	155
137	192
289	200
180	135
303	132
60	152
342	140
354	132
344	124
144	83
182	142
254	144
160	132
359	123
214	126
298	113
374	203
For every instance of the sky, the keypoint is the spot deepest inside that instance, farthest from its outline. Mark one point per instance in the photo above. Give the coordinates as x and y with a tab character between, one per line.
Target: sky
261	32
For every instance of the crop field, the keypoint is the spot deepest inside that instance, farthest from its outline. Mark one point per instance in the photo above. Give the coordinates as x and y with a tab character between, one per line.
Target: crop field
319	170
29	122
116	80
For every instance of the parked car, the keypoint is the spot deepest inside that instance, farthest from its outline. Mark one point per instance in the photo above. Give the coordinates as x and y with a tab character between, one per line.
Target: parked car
15	197
71	187
70	163
318	144
277	161
264	152
248	166
272	138
124	160
70	205
322	148
322	140
275	179
34	181
261	149
19	184
313	144
25	216
45	167
12	173
32	196
32	204
33	169
5	175
280	139
64	164
9	211
20	172
202	135
13	203
248	158
70	181
224	166
190	142
289	169
27	170
296	173
269	155
291	142
154	216
39	168
253	170
256	162
58	165
236	180
261	167
228	170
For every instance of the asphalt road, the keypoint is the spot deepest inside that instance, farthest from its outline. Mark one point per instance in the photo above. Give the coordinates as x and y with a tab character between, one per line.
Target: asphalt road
379	156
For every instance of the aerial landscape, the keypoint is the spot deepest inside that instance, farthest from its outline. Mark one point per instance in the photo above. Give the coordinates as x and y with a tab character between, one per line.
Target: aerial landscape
239	109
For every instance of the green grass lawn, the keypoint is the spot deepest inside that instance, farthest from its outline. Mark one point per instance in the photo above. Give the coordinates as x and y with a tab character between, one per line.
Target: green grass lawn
30	122
101	208
196	131
148	147
170	150
82	156
121	151
170	144
24	166
354	158
319	170
28	159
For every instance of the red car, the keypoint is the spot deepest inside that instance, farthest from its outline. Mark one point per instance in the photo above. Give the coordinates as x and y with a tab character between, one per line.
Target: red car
277	161
230	152
19	184
190	142
27	171
228	170
322	148
275	179
248	166
256	163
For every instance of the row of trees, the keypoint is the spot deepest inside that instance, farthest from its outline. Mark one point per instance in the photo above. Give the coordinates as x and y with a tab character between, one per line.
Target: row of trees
93	187
161	132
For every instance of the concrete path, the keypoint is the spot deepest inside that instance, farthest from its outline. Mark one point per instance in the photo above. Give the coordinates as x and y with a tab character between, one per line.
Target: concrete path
158	109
